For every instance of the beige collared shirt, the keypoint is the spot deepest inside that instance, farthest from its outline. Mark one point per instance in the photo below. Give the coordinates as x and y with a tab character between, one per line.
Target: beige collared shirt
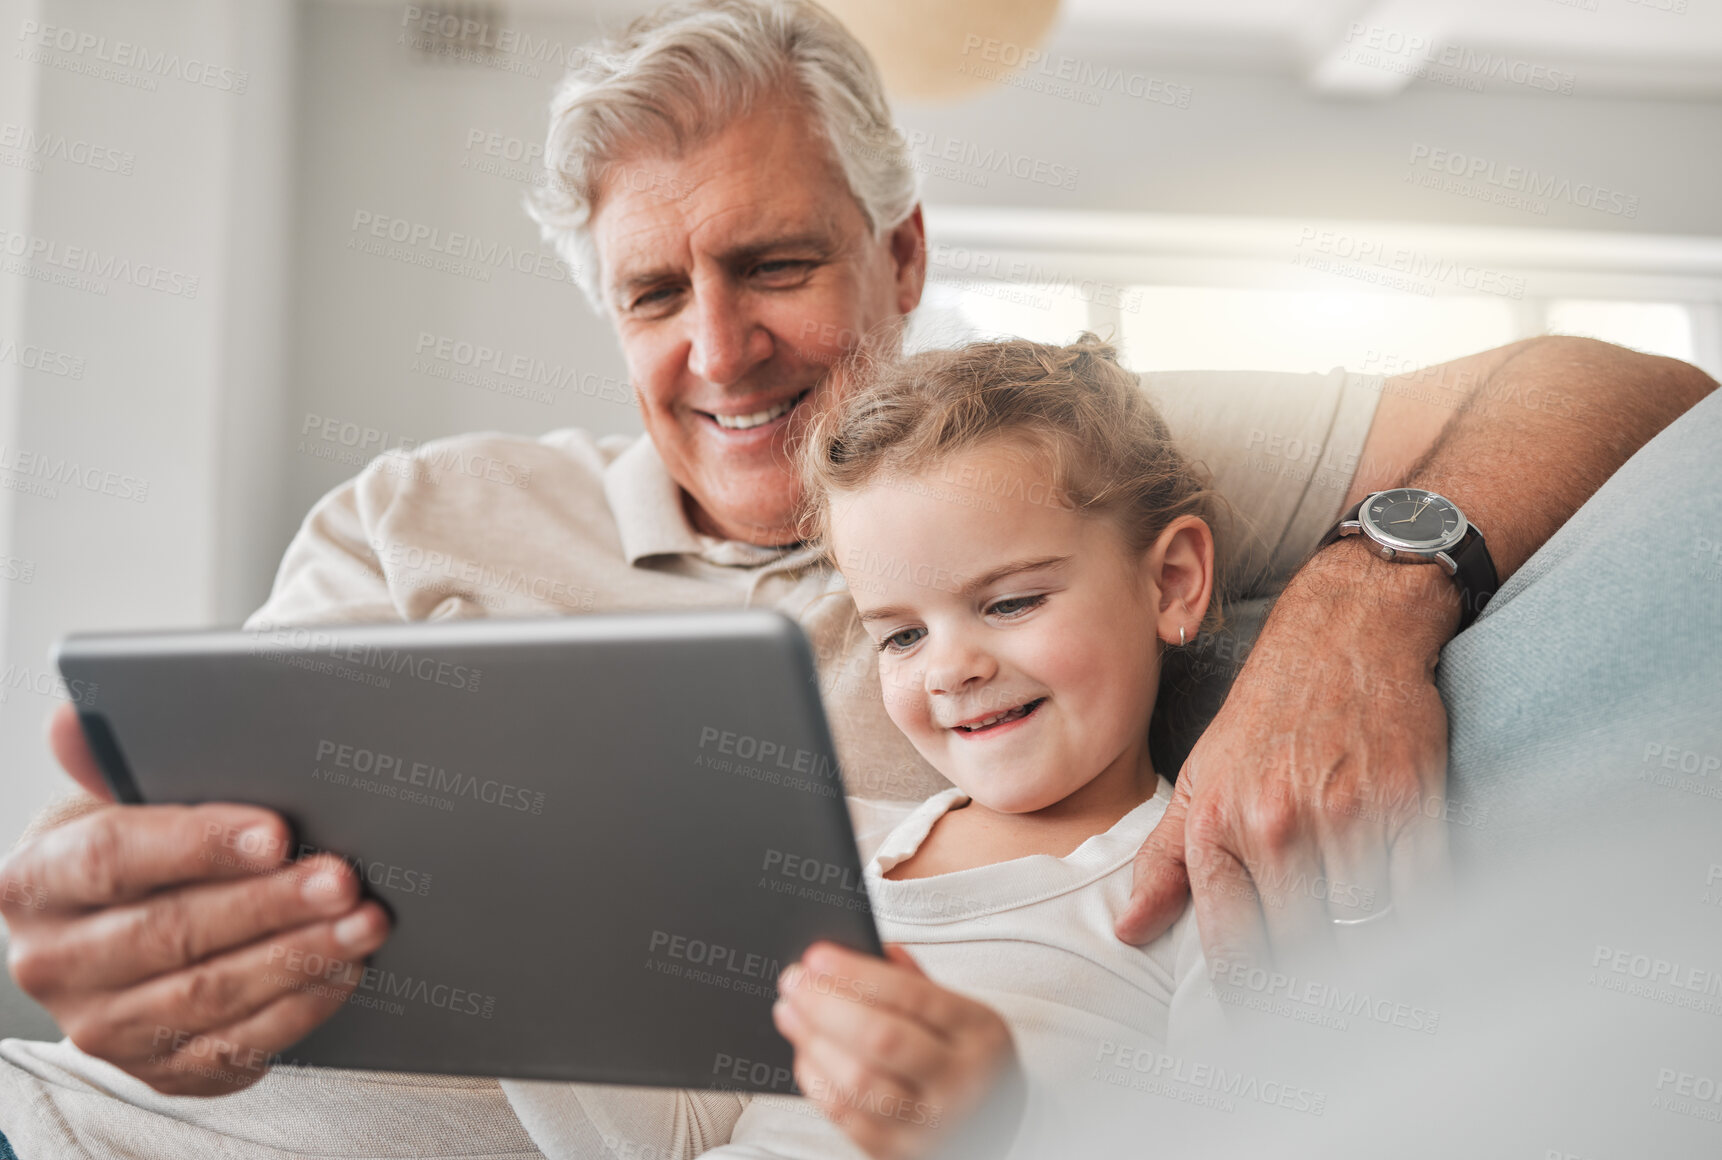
503	525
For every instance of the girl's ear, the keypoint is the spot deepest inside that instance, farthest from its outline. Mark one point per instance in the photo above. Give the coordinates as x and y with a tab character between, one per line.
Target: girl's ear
1181	565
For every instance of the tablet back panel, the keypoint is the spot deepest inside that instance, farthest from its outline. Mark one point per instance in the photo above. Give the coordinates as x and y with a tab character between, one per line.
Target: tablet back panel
601	837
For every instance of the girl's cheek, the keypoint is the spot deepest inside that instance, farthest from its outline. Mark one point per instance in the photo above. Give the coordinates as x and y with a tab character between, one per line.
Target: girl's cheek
1060	653
1095	670
905	703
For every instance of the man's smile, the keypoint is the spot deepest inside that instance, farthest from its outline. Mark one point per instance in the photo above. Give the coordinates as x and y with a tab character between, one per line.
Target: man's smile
737	423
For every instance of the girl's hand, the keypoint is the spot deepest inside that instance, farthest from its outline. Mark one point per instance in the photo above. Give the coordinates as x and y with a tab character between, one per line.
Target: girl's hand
891	1057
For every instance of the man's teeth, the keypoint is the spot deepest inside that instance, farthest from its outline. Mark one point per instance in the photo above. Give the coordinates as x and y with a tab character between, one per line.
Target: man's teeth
743	422
1007	715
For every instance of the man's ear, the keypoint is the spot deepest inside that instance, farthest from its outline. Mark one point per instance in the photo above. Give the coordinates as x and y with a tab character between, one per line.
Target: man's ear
909	257
1181	565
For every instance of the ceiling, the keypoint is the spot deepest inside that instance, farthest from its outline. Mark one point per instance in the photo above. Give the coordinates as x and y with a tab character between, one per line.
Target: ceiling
1362	49
1380	47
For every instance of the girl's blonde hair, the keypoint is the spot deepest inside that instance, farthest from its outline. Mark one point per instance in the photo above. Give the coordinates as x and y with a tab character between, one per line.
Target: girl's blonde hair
1088	418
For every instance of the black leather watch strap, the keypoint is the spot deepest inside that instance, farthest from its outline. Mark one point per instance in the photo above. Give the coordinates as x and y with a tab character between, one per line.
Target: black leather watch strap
1474	572
1349	517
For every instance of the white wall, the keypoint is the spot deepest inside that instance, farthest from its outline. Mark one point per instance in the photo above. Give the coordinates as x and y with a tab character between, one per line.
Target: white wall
1264	145
164	377
384	131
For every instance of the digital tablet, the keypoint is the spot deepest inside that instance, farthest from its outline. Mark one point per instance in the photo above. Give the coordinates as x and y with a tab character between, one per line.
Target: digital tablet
600	837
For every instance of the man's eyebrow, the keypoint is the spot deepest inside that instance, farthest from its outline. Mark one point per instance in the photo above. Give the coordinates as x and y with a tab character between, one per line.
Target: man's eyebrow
979	582
740	255
813	241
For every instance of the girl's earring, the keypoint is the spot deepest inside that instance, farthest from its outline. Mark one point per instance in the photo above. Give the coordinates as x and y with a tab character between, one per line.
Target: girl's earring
1180	636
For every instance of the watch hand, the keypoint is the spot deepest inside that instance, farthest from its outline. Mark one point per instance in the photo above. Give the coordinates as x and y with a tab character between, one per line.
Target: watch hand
1413	515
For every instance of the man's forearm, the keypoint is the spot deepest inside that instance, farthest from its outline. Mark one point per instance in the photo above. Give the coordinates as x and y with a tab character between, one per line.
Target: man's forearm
1548	427
1538	434
1530	437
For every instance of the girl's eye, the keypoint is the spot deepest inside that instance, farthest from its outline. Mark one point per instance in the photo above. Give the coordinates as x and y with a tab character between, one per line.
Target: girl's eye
1016	605
898	641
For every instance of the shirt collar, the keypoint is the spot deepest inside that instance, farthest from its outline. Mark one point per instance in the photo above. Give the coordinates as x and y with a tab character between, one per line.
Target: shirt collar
647	503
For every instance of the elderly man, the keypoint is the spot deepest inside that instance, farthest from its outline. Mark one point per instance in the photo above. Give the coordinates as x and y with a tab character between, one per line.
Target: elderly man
737	201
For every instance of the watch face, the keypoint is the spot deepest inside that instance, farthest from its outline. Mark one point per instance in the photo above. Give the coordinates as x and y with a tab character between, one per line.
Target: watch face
1410	517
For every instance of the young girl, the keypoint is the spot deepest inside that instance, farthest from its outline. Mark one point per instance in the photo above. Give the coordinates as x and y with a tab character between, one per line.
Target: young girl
1020	537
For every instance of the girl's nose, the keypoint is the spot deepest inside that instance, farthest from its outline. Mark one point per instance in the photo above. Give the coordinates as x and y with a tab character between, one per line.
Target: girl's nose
958	665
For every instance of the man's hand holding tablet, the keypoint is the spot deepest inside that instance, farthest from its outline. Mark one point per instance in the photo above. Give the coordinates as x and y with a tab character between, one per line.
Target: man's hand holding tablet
209	889
667	779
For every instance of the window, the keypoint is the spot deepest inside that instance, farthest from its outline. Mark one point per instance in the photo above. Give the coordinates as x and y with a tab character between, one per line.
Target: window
1654	327
1203	327
1213	294
956	312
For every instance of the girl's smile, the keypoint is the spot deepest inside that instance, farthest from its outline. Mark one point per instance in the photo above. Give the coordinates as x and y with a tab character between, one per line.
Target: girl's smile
991	724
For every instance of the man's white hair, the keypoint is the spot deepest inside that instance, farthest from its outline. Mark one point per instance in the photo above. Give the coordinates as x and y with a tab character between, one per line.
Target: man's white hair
685	71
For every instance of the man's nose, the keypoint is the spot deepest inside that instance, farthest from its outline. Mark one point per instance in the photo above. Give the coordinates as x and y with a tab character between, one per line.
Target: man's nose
727	341
958	664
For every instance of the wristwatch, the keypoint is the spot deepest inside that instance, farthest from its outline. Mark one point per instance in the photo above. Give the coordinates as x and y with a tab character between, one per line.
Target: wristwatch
1413	526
